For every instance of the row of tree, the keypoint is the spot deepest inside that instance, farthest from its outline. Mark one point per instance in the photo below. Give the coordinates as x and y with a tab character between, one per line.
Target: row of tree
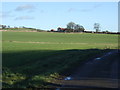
5	27
79	28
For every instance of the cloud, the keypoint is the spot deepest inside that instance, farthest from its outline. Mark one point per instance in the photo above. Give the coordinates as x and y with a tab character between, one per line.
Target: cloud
42	11
6	14
24	18
97	6
72	10
78	10
85	9
29	8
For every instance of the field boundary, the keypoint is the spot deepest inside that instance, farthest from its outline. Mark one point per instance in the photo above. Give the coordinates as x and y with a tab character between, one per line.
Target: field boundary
118	33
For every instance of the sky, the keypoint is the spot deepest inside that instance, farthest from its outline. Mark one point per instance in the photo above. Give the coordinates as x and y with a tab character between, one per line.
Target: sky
51	15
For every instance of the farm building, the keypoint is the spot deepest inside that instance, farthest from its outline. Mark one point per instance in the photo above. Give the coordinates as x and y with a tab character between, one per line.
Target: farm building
61	29
52	30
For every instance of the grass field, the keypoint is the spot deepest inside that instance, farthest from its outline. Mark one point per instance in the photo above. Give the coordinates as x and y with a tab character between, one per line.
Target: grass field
32	59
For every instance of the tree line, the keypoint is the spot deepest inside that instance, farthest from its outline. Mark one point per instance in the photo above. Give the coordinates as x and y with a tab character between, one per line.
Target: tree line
72	27
79	28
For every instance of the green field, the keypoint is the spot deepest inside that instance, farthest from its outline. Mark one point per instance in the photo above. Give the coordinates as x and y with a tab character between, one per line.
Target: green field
32	59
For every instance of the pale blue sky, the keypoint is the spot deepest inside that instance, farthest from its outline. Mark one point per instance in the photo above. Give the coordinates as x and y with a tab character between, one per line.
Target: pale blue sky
50	15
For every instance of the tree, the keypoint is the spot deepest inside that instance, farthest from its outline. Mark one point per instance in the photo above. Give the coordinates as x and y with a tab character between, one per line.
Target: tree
79	28
23	27
106	31
0	26
71	26
4	26
97	27
8	26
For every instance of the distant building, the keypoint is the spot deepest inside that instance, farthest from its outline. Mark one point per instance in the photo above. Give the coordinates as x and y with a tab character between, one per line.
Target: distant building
61	29
52	30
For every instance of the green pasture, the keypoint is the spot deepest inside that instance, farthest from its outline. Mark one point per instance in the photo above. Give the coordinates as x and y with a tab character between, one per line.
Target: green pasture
36	58
60	37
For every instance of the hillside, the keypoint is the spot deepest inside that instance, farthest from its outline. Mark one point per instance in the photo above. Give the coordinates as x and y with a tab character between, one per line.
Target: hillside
23	29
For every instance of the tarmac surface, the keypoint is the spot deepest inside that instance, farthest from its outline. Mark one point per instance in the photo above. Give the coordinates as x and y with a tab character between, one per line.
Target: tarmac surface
100	72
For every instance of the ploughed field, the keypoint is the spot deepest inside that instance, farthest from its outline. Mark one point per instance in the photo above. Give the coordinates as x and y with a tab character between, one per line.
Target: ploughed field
35	59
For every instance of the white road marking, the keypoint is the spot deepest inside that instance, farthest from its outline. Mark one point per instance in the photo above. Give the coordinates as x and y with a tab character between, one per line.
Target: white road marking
97	58
68	78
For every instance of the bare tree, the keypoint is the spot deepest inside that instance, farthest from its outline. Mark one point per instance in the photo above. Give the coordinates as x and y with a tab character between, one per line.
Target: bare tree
97	27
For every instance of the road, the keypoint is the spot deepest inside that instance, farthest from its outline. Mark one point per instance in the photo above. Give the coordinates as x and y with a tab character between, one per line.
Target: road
101	72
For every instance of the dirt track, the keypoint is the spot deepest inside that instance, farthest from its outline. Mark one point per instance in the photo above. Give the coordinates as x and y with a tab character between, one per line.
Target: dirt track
101	72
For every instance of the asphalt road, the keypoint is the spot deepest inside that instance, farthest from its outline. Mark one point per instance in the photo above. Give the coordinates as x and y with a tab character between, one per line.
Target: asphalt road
101	72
